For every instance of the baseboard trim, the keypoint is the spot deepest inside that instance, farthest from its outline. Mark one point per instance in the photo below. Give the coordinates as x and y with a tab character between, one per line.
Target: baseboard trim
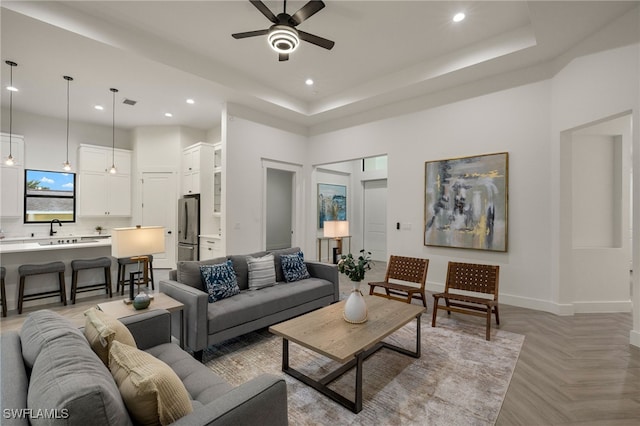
563	309
634	338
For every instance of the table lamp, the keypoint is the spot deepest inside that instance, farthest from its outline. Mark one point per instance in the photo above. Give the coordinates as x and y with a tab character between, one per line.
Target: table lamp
136	243
336	229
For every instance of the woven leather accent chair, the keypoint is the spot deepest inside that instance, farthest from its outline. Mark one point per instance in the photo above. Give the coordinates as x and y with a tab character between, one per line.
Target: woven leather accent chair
470	278
406	269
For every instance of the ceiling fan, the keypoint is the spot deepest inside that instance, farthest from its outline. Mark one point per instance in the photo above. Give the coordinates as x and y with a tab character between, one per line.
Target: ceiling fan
283	37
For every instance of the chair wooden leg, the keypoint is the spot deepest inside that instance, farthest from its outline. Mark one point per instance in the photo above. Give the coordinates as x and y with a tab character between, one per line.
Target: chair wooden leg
497	315
21	294
3	294
435	311
74	286
63	290
446	301
153	287
488	322
371	290
424	299
107	280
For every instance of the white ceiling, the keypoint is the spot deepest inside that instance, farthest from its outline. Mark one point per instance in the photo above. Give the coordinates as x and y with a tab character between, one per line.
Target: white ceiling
161	53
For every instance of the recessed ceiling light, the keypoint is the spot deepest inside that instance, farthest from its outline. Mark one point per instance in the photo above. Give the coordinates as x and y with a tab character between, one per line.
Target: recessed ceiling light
99	107
12	88
191	101
308	82
168	114
459	17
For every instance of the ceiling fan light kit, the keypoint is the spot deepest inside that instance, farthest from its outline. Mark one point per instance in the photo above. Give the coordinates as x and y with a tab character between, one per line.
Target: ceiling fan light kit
283	37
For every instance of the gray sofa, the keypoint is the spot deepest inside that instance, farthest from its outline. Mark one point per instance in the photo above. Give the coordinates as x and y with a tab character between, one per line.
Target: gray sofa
50	366
211	323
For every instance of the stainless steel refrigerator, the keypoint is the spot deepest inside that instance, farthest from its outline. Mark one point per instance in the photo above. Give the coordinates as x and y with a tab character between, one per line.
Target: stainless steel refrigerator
188	227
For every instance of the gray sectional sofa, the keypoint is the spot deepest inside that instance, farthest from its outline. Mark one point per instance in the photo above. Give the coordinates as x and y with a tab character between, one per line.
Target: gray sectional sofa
211	323
50	375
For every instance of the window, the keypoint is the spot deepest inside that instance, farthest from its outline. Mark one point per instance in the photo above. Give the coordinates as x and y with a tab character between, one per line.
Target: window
49	195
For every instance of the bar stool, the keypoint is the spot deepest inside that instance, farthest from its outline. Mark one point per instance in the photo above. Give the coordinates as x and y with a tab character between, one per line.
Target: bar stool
3	293
45	268
147	272
83	264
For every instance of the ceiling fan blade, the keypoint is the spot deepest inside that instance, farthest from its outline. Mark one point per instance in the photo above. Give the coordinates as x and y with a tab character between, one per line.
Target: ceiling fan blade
265	10
314	39
306	11
283	57
250	34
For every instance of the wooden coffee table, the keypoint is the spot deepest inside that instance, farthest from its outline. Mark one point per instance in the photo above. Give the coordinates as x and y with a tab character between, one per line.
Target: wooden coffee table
119	309
325	331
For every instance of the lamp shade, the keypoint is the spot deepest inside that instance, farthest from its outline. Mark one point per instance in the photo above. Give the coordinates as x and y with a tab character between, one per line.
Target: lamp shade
138	241
336	228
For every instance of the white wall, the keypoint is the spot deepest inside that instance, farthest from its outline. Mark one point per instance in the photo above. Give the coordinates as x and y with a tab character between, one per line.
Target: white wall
246	144
511	120
45	149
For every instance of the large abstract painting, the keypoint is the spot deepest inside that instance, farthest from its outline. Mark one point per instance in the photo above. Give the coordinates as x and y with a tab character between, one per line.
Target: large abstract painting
332	203
466	202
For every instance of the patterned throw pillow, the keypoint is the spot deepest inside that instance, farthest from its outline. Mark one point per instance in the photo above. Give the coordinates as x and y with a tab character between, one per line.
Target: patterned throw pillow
293	267
262	272
221	280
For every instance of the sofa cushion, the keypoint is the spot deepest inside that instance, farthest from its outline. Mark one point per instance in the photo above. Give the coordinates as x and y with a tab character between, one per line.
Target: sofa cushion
151	390
278	260
293	267
202	383
220	280
68	376
241	268
262	272
39	328
252	305
101	330
188	272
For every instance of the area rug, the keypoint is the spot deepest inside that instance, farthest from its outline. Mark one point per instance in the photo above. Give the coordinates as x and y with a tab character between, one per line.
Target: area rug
461	379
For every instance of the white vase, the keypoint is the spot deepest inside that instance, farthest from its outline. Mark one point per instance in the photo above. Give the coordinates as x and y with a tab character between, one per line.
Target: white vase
355	309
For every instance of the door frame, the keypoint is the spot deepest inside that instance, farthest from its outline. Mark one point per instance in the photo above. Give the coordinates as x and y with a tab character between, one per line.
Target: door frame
297	208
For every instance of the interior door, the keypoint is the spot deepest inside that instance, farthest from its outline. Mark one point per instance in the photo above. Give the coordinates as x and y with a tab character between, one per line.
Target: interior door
375	218
279	208
159	198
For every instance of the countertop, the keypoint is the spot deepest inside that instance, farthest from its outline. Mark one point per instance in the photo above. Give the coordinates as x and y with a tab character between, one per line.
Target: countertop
33	246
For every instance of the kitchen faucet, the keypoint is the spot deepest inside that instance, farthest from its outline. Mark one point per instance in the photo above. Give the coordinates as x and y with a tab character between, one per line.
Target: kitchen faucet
51	231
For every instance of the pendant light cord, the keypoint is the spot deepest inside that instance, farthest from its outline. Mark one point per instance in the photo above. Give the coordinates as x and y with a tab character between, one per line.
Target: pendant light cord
11	65
69	79
113	131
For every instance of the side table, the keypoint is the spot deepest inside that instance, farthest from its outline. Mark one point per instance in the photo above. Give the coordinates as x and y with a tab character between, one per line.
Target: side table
119	309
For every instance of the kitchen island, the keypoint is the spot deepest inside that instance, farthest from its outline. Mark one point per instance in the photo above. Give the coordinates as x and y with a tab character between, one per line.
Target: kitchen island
21	251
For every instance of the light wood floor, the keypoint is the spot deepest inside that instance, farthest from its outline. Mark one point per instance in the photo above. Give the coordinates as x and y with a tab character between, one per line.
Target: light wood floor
578	370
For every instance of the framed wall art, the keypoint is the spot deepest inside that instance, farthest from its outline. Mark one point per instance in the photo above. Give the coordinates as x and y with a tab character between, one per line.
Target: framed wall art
466	202
332	203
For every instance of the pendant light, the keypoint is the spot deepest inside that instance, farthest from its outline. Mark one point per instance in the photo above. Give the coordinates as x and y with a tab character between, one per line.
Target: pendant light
113	133
9	161
66	165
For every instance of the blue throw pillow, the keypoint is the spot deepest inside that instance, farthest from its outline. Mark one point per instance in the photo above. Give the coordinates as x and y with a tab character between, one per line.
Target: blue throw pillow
293	267
220	280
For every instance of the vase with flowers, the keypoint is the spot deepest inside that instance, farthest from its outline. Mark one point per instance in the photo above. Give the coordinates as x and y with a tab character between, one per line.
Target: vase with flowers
355	308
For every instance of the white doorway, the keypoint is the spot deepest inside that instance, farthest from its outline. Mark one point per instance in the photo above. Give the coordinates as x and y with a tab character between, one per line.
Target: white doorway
375	218
279	209
158	193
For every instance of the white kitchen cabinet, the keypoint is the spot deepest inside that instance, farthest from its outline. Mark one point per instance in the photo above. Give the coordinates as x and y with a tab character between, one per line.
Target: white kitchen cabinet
210	248
217	179
11	191
101	193
194	161
12	177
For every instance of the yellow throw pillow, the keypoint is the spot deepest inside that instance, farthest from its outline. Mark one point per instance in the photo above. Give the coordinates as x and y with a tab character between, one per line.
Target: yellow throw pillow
150	389
101	329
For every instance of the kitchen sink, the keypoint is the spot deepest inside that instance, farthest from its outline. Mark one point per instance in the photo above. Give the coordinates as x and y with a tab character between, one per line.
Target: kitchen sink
69	241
